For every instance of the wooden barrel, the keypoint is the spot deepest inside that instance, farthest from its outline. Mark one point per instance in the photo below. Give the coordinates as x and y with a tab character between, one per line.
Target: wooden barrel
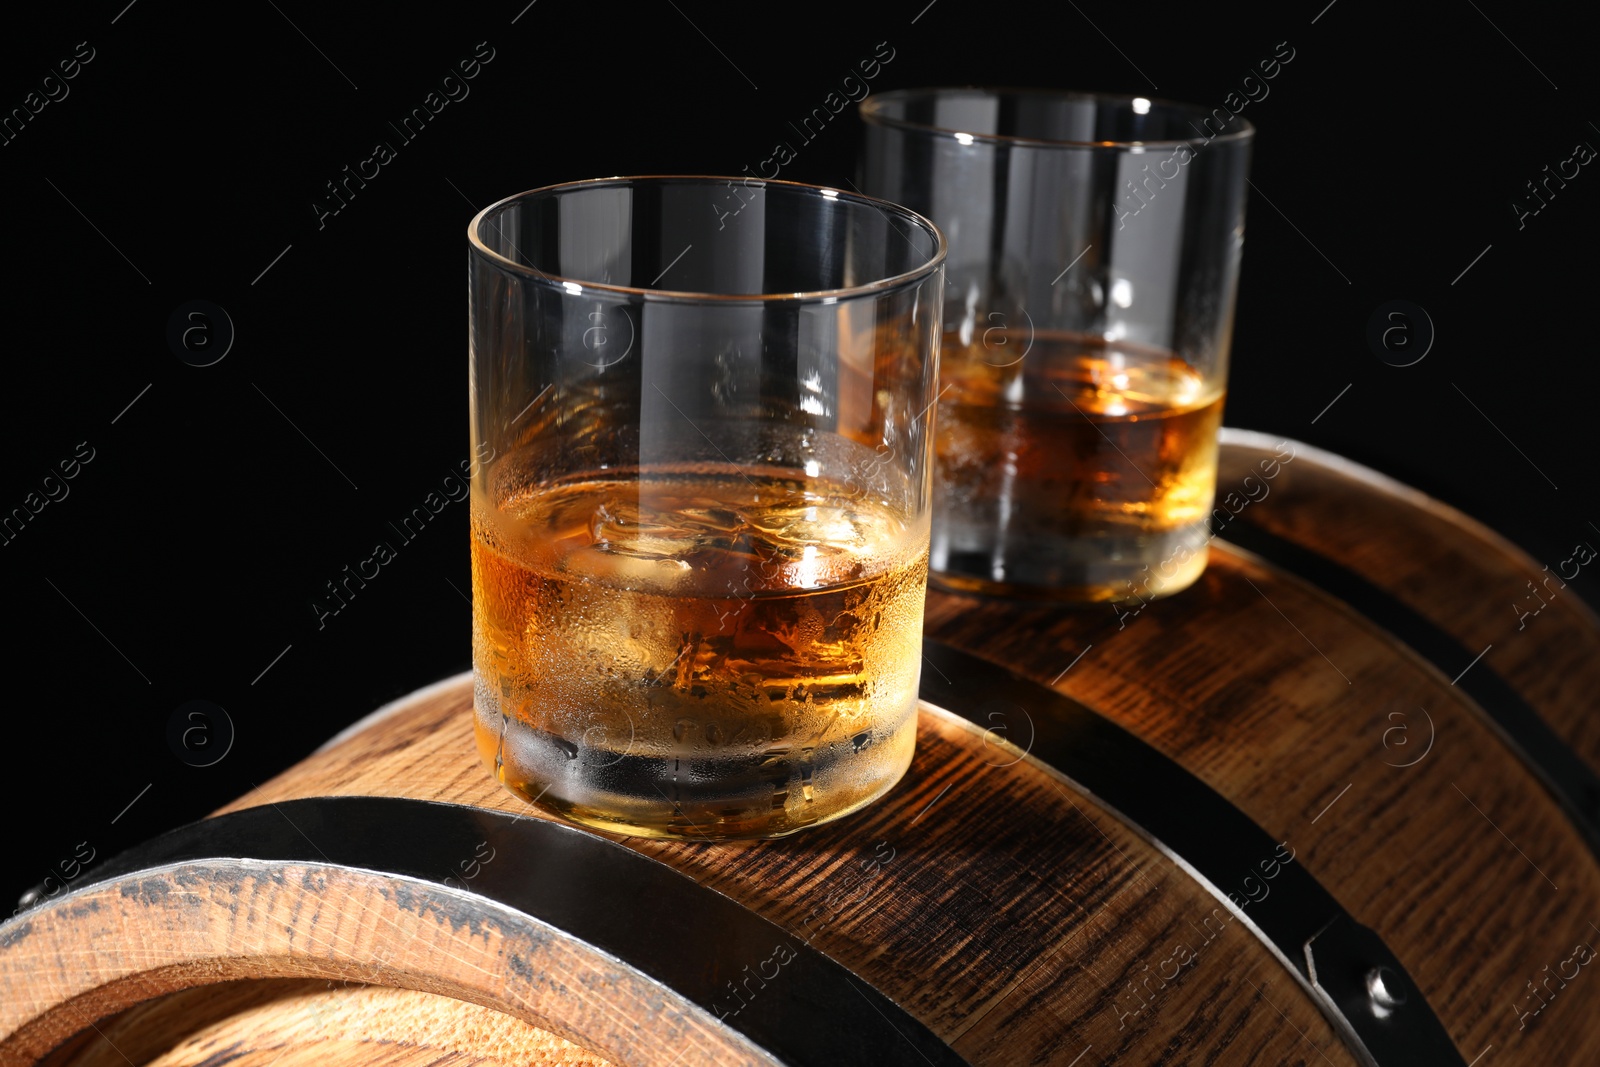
1335	804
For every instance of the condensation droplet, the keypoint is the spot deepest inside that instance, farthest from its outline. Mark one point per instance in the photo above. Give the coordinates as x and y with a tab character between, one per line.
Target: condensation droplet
500	748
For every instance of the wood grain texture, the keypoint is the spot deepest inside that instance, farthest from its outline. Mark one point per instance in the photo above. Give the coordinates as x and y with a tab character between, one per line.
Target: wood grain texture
1281	699
1040	916
1467	580
1017	920
112	946
298	1023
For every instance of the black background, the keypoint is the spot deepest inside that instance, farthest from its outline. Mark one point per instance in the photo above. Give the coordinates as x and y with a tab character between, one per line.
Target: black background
189	151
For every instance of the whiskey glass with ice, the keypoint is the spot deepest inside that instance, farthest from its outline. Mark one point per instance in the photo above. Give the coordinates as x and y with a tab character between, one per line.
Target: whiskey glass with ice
1094	253
700	412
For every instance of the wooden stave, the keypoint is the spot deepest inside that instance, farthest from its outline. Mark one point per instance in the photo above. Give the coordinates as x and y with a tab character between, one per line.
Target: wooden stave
637	924
1472	567
1160	897
1334	957
1476	1025
203	947
311	1023
1228	559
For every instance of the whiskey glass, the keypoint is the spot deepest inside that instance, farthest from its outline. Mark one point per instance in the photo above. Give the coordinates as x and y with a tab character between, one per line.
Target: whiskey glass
700	414
1094	254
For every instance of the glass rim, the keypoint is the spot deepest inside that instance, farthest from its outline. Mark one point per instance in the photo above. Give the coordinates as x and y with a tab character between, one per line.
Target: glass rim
872	112
576	286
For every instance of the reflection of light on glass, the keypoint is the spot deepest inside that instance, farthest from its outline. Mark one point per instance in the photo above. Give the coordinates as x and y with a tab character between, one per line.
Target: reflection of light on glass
831	194
969	315
813	468
1115	332
1188	389
1119	380
806	569
574	288
1116	407
963	138
1122	293
812	406
1141	106
813	382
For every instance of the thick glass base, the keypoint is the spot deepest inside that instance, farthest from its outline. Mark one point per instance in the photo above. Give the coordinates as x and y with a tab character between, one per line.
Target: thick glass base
694	792
1108	568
